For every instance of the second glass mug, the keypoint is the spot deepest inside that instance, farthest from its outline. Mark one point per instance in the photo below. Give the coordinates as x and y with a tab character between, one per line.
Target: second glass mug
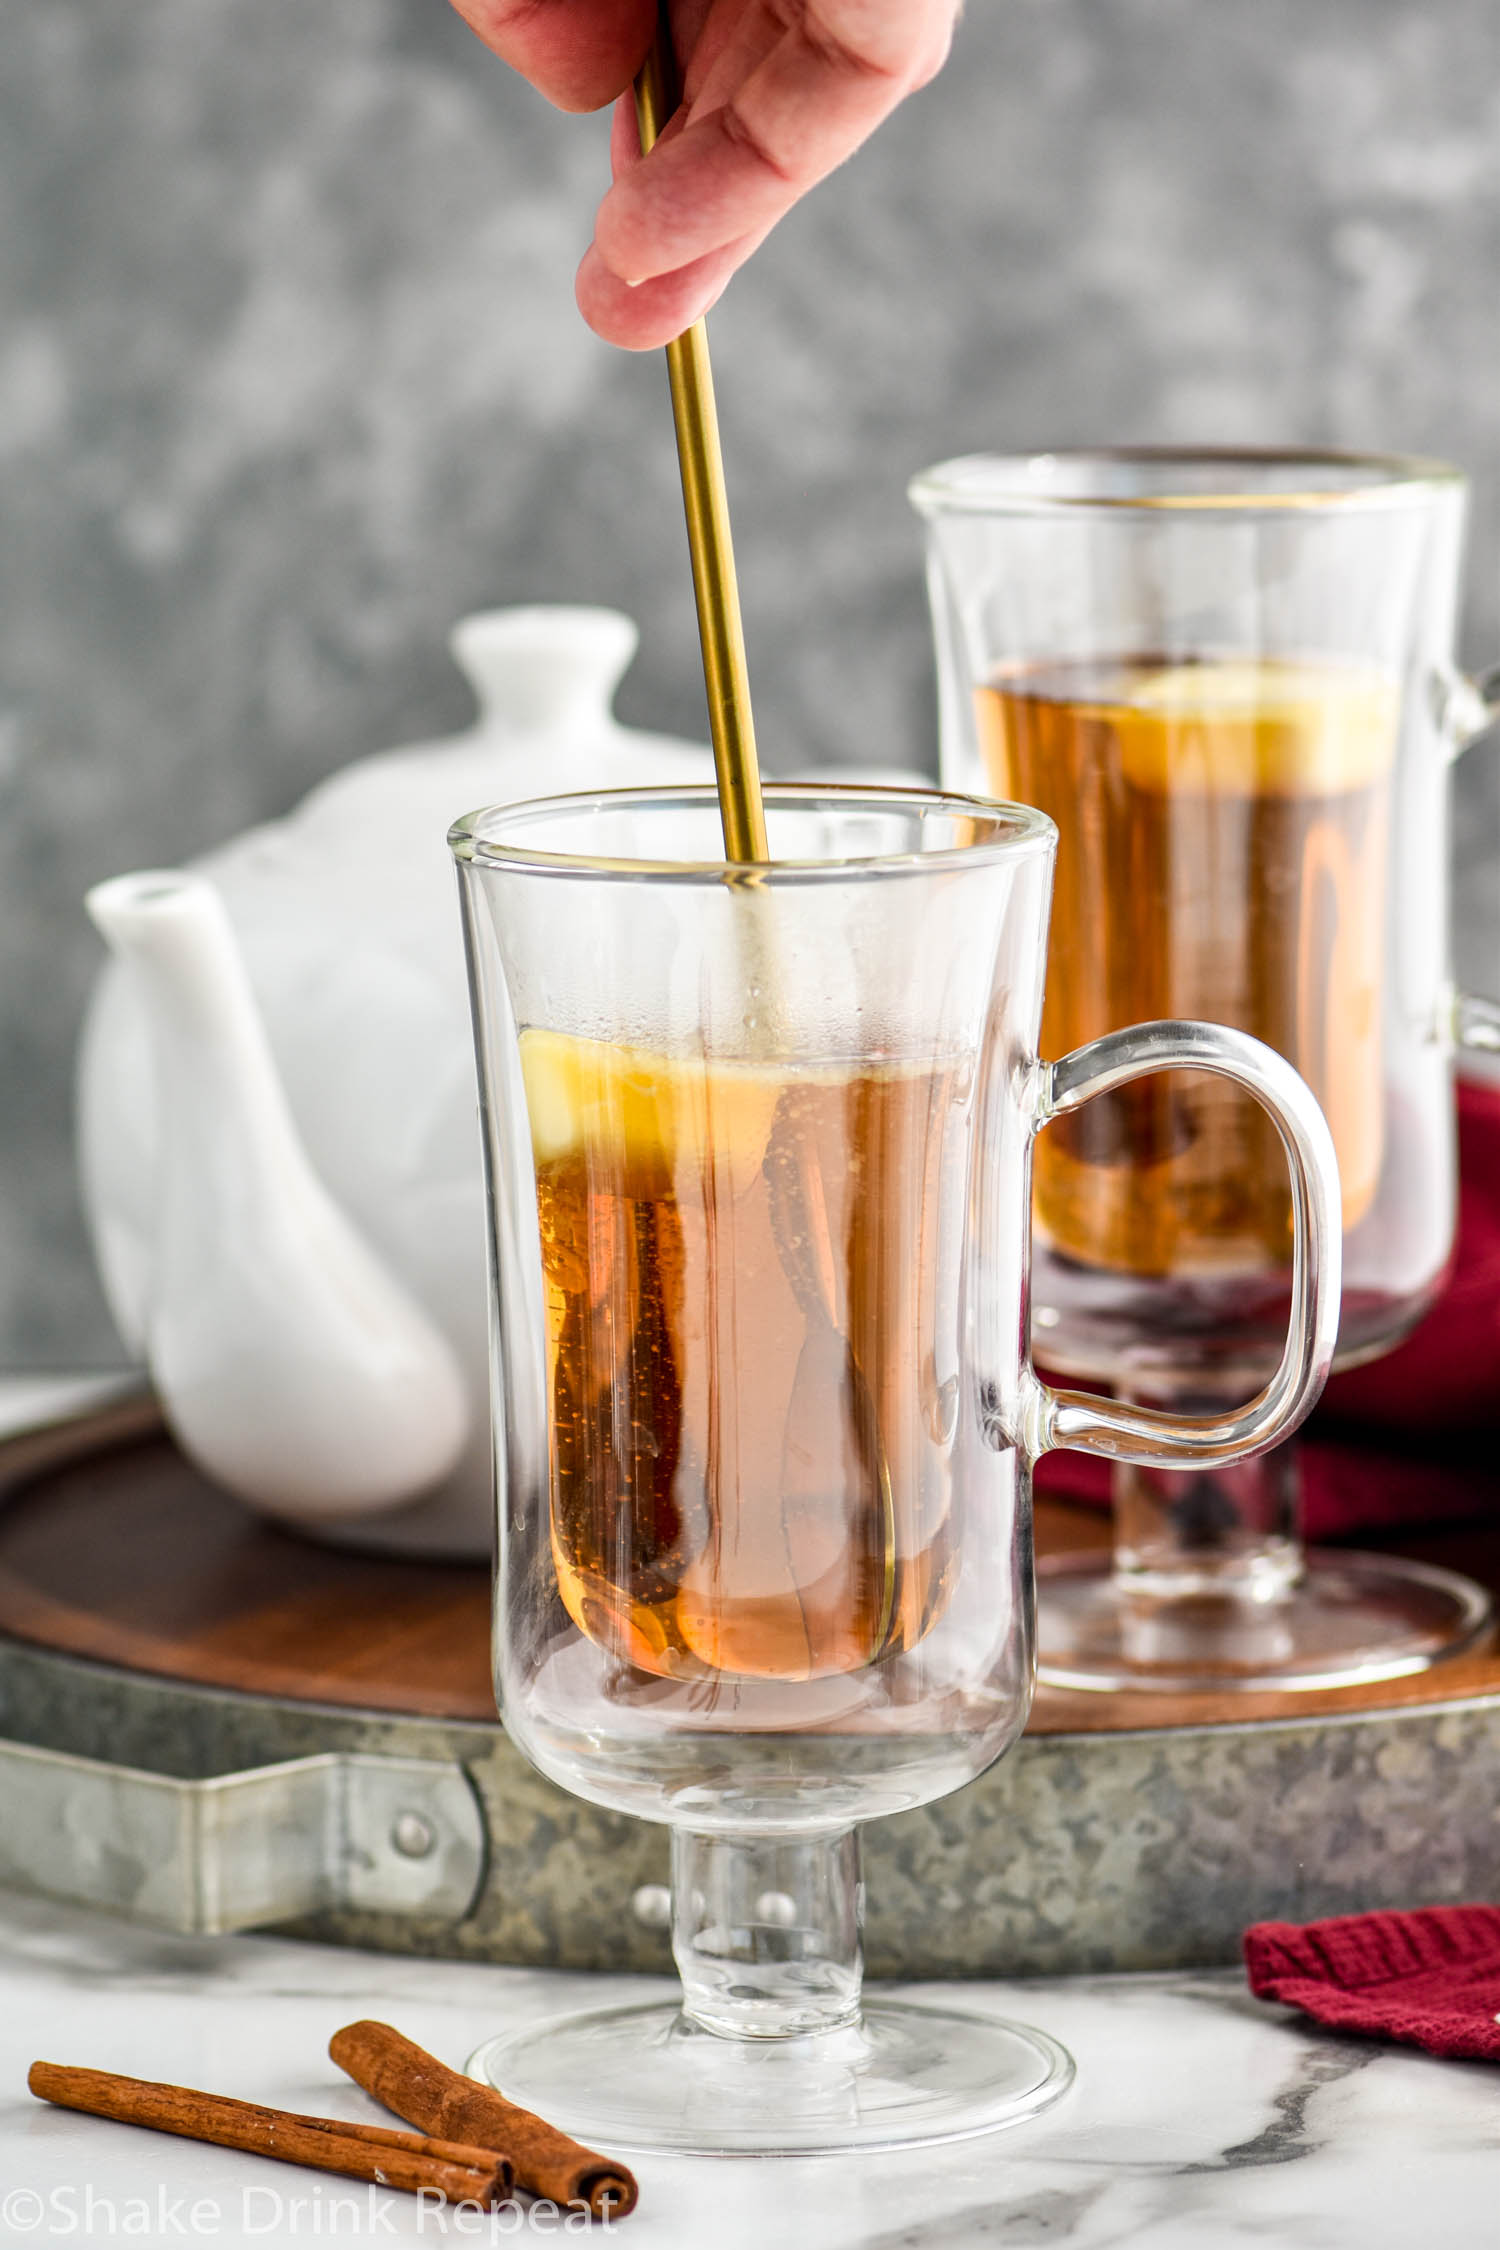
1229	677
758	1147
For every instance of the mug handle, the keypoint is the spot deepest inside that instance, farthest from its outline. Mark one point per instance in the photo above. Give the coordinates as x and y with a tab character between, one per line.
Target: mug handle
1470	709
1153	1439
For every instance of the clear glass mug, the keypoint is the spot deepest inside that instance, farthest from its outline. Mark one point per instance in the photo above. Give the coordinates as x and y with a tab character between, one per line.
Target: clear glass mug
758	1145
1229	678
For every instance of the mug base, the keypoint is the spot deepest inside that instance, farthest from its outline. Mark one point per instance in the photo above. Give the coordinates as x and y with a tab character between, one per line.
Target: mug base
900	2076
1349	1619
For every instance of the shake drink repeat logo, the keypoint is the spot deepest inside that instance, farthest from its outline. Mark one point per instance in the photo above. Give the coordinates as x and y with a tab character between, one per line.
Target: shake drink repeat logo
74	2211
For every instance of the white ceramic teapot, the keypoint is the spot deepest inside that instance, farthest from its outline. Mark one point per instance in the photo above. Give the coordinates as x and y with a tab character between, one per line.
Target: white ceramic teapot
277	1114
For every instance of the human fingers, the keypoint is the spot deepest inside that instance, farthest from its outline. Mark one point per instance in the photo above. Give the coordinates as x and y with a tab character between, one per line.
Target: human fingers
641	319
579	53
625	135
644	319
734	39
837	69
729	40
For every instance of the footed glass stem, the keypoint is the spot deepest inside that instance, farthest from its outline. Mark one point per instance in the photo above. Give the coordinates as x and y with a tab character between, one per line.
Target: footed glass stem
765	1933
771	2051
1209	1588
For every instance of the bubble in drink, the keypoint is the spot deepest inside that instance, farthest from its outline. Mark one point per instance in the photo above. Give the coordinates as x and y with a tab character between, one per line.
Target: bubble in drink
749	1430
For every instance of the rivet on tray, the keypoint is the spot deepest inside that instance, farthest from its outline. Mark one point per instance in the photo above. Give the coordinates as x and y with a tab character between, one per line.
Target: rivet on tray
413	1836
652	1904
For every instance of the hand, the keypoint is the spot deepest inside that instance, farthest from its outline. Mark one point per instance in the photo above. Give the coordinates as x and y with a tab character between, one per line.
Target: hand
776	93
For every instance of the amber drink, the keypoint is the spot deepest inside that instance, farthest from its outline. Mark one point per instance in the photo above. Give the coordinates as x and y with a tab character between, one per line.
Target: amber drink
1223	836
748	1466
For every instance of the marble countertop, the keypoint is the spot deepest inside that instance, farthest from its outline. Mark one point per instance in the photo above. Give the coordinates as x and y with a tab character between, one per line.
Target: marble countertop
1199	2117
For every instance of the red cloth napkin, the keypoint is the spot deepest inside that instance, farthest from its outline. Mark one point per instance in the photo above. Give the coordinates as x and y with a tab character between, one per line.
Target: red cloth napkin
1410	1438
1426	1978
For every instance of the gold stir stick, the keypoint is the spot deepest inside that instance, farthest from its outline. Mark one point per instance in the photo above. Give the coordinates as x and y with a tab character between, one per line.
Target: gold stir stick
741	810
714	586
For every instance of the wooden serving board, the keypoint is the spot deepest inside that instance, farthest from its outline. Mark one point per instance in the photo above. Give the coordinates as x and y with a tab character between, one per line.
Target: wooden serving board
113	1548
148	1621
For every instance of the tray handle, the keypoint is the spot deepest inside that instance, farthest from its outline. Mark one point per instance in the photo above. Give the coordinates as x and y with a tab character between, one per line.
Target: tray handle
341	1831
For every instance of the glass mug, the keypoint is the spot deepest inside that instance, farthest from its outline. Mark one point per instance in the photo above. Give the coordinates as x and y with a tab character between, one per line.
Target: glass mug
1229	679
758	1148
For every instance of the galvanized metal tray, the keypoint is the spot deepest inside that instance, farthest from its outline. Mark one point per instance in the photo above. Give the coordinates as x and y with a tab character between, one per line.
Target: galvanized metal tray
211	1724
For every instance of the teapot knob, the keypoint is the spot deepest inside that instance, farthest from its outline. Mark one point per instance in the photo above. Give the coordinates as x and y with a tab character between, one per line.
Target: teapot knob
544	667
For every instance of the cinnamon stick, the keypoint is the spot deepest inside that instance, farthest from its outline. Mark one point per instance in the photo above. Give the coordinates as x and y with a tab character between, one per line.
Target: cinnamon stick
464	2173
427	2093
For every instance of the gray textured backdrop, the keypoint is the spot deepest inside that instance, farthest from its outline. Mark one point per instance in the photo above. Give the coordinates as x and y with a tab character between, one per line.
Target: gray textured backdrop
290	377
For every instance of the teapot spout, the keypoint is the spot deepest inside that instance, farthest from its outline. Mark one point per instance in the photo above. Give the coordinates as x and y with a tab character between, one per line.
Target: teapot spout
291	1364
